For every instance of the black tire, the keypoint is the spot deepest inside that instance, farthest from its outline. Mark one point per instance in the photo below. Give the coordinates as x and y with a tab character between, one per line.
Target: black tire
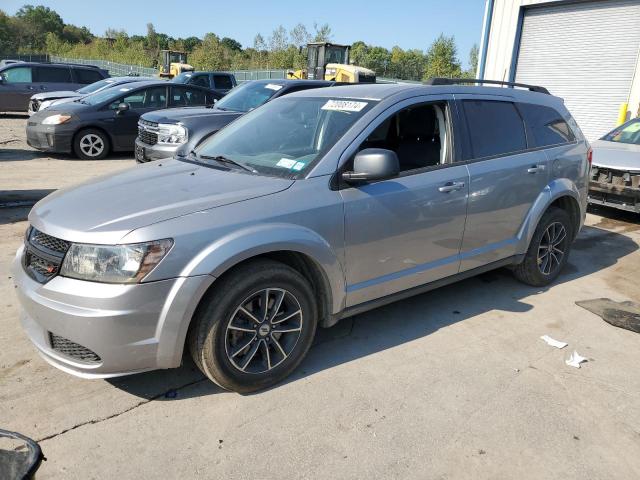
534	270
216	325
91	144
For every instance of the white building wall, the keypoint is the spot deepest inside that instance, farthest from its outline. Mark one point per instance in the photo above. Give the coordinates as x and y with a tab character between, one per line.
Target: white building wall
502	36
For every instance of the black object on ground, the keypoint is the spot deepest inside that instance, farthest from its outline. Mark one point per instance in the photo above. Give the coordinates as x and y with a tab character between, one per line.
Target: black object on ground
20	457
619	314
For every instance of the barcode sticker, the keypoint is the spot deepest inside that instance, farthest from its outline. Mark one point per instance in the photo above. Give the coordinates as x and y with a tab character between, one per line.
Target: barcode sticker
344	105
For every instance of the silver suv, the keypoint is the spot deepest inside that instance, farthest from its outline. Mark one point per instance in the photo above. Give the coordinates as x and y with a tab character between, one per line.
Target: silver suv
314	207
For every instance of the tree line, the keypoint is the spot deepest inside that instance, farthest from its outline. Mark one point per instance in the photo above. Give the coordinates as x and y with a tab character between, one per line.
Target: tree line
39	29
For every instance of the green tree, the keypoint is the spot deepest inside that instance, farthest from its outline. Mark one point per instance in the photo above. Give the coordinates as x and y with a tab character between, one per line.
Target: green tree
34	23
442	59
8	42
322	33
473	61
73	34
231	44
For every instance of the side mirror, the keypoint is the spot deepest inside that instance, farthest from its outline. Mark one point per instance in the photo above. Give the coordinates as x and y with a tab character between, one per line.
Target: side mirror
122	107
2	79
373	164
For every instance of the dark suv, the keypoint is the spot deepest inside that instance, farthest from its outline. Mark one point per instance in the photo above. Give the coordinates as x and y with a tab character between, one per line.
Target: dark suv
19	81
106	121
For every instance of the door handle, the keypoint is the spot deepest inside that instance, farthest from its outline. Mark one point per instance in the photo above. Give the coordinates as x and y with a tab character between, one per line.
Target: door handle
451	187
535	168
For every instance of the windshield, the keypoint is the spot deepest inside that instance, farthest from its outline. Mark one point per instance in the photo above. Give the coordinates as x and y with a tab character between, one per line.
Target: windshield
285	137
627	133
248	96
104	95
336	55
95	86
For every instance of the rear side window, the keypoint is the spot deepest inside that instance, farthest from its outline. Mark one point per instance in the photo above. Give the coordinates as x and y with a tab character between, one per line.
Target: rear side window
187	97
223	82
495	128
200	80
86	77
18	75
53	75
546	125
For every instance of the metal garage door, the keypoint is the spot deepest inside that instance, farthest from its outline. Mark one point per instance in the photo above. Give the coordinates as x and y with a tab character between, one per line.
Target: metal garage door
585	53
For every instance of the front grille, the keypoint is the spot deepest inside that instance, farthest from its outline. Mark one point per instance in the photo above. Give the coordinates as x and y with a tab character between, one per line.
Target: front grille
72	349
150	138
613	177
50	243
43	255
148	131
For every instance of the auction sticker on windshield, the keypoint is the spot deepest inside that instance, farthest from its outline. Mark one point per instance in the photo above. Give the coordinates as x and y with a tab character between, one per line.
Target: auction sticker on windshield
273	86
344	105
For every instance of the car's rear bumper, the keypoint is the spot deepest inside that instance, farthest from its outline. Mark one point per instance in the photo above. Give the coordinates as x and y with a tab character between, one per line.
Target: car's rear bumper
107	330
48	138
148	153
616	196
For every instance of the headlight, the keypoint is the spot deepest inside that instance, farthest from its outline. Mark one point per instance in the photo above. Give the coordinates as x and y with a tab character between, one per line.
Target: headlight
330	71
56	119
113	263
45	104
171	134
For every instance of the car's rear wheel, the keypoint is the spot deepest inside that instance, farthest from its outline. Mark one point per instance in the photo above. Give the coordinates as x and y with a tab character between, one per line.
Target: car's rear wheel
255	328
549	249
91	144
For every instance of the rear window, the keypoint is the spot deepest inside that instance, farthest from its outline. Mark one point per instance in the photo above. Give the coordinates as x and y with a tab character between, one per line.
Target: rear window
495	128
546	125
223	82
53	75
86	76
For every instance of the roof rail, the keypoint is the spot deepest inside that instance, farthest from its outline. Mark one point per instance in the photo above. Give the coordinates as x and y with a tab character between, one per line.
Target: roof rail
456	81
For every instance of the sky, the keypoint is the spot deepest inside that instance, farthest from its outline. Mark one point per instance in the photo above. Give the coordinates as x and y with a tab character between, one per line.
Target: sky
406	23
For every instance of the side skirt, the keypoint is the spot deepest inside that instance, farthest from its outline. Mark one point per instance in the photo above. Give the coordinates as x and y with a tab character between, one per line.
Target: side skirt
379	302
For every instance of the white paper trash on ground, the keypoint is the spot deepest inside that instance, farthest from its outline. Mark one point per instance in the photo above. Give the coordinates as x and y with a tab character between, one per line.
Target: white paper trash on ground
552	342
575	360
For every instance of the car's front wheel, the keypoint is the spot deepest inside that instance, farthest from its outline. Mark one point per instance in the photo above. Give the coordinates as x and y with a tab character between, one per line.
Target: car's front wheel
91	144
255	327
549	249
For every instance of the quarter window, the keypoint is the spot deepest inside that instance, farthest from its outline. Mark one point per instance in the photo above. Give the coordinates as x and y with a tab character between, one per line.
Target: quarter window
85	76
18	75
53	74
546	125
495	128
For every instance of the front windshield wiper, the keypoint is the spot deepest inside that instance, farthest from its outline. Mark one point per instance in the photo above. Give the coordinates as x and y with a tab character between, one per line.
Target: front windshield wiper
223	159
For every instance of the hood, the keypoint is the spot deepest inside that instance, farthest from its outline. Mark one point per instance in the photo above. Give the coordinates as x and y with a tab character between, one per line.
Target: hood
616	155
175	115
55	95
69	107
107	208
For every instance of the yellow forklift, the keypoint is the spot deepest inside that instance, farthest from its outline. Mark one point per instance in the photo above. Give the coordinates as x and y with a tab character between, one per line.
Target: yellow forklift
173	63
330	61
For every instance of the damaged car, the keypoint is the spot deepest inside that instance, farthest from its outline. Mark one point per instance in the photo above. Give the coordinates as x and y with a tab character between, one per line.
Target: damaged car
615	171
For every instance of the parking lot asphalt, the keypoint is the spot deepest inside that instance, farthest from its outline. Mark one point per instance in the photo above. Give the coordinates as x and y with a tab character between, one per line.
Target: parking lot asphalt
455	383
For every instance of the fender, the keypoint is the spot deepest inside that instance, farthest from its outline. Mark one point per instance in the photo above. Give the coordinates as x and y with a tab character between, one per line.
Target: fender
559	187
249	242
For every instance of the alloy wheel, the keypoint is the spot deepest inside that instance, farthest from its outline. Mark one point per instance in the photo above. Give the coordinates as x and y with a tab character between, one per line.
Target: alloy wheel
551	250
91	145
263	330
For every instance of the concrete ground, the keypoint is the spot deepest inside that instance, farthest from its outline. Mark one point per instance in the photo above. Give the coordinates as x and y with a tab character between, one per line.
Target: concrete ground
455	383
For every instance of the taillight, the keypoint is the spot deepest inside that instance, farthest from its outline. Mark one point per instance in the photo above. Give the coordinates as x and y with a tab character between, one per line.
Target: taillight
590	156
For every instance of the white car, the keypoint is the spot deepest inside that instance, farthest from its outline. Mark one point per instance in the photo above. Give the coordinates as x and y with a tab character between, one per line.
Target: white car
615	171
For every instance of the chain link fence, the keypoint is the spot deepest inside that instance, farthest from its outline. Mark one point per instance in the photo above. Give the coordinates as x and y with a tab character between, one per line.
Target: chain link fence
36	57
114	69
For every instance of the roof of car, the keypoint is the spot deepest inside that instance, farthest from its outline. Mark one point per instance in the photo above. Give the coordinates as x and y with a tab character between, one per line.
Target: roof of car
52	64
380	91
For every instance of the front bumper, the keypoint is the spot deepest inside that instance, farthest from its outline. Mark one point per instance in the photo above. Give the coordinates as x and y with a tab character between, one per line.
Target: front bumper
49	138
131	328
148	153
616	196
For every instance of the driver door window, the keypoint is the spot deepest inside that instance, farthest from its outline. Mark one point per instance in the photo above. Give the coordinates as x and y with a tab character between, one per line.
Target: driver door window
18	75
148	98
417	134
